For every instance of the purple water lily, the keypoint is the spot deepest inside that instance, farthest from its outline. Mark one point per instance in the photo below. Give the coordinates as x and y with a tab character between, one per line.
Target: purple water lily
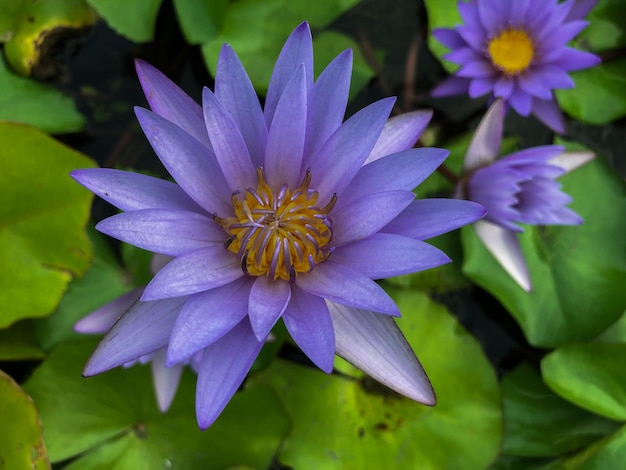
283	212
517	50
518	188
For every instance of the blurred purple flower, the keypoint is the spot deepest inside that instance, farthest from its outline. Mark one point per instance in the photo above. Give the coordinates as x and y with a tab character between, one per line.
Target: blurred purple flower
518	188
517	50
285	211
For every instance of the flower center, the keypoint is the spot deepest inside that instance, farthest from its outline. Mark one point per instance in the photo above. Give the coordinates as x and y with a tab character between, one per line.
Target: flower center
512	51
279	234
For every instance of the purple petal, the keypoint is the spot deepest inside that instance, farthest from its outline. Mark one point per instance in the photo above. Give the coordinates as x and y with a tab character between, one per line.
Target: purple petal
165	380
170	102
374	344
481	86
548	112
267	303
298	49
580	9
517	14
285	142
463	55
569	161
367	215
206	317
451	86
476	69
571	60
327	102
163	231
448	37
235	91
427	218
401	171
492	15
505	248
224	366
191	164
143	329
535	84
194	272
131	191
385	255
102	320
521	102
485	145
475	38
340	284
503	87
231	150
400	133
343	154
158	262
308	321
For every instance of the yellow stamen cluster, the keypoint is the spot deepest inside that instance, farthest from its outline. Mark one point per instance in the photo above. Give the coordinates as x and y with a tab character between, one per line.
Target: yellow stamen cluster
278	234
511	51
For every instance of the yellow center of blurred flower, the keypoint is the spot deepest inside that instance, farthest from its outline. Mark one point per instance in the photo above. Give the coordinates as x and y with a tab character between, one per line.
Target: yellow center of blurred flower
511	51
279	234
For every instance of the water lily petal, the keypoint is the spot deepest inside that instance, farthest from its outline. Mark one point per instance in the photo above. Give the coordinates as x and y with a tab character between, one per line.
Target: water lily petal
194	272
548	112
223	367
165	380
569	161
169	232
206	317
143	329
192	165
235	91
308	321
341	284
374	344
427	218
400	133
132	191
267	303
167	100
505	248
102	320
485	145
385	255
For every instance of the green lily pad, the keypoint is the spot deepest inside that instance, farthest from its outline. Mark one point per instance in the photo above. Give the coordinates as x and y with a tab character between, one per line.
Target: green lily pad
577	272
24	100
103	282
257	31
201	22
39	30
21	442
18	342
609	453
598	96
616	333
8	12
134	20
42	219
351	421
538	423
590	375
112	420
607	26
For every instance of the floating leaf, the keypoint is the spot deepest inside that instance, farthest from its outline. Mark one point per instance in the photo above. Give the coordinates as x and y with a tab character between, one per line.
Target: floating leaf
351	421
202	21
537	423
598	97
104	281
24	100
112	420
616	333
590	375
21	442
577	272
607	26
18	342
40	29
134	20
42	219
257	31
609	453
